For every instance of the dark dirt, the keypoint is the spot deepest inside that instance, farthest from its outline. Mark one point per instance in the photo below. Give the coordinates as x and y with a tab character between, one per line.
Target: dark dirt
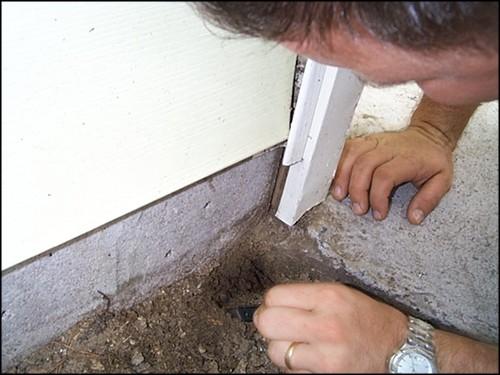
184	327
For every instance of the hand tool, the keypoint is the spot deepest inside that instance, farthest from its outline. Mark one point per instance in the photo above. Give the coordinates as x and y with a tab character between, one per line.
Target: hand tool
244	313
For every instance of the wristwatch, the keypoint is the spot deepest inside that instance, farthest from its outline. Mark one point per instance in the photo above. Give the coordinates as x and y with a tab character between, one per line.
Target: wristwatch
417	354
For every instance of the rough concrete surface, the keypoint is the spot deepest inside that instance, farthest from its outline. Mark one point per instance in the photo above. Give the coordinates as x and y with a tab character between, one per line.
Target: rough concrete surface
126	260
445	270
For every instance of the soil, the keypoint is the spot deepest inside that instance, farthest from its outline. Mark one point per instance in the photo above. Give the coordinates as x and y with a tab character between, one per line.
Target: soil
184	327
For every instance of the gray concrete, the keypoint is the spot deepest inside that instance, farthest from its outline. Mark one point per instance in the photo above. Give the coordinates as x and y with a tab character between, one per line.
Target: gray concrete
126	260
445	270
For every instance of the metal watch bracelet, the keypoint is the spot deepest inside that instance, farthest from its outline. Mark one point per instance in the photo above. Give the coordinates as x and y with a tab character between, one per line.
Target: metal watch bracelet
419	340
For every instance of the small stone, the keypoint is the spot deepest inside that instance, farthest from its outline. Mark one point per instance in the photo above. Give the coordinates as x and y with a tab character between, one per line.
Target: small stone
212	367
201	349
132	342
36	370
141	323
97	366
256	359
241	368
137	358
143	367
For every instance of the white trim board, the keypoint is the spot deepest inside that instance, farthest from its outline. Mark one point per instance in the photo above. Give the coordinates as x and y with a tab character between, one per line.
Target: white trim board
304	112
325	106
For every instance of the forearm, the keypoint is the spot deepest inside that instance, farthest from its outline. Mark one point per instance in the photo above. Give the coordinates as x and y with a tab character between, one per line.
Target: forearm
445	124
460	354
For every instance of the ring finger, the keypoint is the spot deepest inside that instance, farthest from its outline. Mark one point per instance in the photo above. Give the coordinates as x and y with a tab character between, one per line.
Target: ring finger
303	359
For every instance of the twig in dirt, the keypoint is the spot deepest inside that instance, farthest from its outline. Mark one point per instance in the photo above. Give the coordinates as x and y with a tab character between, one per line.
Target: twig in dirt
121	327
108	300
57	367
74	338
70	346
80	351
126	339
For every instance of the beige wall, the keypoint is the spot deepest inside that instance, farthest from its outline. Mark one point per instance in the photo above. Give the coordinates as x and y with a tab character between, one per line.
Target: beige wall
110	106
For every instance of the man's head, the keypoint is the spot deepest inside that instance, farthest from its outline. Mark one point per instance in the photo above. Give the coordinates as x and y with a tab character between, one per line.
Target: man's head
449	48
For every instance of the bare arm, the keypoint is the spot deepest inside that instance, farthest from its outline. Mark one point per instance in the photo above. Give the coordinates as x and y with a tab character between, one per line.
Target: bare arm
442	123
460	354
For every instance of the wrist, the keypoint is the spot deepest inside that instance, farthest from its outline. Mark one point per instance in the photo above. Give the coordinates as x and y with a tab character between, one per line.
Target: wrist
441	123
417	353
434	135
455	353
398	338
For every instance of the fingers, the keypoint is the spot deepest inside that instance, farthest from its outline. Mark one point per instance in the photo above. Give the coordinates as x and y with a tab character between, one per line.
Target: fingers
353	148
373	176
385	178
304	296
300	325
428	197
284	316
304	359
371	167
361	178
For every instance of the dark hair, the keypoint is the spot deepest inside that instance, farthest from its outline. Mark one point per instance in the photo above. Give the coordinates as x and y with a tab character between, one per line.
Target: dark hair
415	25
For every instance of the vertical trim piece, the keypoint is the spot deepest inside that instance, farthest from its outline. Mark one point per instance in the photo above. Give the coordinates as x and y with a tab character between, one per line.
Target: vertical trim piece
304	111
310	177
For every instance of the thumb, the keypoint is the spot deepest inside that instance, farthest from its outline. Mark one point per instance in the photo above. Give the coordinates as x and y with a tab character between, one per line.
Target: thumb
428	197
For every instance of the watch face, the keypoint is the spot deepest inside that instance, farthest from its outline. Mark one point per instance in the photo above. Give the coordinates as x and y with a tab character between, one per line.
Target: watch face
412	362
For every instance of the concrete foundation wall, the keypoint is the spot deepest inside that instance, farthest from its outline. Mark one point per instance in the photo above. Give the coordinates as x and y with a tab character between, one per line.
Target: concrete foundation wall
127	259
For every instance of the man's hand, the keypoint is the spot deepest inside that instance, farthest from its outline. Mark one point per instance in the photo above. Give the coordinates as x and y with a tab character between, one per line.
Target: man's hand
340	329
371	167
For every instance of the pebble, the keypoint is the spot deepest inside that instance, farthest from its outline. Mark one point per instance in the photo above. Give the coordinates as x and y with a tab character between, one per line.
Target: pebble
257	360
241	367
141	323
201	349
137	358
143	367
97	366
212	367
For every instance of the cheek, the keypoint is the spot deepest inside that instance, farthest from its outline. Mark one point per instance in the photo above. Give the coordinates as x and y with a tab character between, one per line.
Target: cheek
451	92
313	55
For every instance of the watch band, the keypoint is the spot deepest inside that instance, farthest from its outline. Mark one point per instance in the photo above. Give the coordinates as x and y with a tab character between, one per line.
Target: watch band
421	334
419	340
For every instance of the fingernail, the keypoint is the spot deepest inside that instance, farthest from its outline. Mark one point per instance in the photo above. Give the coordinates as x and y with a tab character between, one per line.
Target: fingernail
377	215
356	208
256	315
337	192
418	215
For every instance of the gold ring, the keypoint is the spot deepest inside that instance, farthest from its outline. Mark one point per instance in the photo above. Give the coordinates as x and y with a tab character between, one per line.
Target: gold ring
289	354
